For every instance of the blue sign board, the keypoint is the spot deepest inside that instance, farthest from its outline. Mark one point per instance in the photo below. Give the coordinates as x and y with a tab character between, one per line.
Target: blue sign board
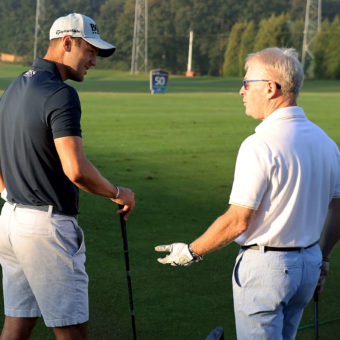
158	81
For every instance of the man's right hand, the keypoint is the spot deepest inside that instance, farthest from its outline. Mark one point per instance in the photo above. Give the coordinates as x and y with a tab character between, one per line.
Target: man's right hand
127	199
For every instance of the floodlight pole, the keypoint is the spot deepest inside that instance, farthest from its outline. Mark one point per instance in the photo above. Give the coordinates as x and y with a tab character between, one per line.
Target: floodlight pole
37	13
191	39
139	60
312	26
189	72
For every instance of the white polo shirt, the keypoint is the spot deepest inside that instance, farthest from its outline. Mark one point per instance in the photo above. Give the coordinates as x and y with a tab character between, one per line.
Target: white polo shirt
288	171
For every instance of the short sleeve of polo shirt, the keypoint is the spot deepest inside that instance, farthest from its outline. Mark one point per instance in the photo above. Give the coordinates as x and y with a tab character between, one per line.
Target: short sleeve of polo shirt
65	112
251	175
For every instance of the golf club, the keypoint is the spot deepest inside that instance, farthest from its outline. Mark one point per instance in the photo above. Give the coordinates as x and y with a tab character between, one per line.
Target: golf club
316	316
127	266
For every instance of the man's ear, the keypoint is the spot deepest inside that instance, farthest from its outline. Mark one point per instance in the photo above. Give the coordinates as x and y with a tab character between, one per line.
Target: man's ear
272	90
67	43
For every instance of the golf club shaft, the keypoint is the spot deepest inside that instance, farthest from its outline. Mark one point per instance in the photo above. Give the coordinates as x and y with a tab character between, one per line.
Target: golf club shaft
128	275
316	316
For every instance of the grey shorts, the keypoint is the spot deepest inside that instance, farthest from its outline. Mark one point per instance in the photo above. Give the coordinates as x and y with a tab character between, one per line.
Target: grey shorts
43	263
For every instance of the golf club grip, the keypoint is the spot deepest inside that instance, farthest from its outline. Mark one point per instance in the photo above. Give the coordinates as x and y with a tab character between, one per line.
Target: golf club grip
120	206
123	227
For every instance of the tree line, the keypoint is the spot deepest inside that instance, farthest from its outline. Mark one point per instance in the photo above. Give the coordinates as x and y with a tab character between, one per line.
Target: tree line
224	30
280	30
246	37
327	50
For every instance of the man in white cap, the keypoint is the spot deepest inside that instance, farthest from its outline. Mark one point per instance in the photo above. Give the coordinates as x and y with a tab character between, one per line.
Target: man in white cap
42	165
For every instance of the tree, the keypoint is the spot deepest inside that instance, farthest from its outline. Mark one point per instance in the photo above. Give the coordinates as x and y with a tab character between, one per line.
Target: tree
231	59
162	35
320	49
183	24
332	60
17	26
107	22
246	44
330	8
123	36
169	24
212	20
273	31
297	9
255	10
296	34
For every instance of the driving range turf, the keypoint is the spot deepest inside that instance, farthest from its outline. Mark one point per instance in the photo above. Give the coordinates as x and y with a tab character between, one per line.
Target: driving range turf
177	152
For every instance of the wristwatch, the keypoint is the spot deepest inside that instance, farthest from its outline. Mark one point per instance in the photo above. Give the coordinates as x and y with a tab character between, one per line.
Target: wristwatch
197	258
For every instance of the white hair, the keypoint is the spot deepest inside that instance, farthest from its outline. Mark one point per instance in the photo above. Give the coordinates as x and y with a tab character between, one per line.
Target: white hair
283	65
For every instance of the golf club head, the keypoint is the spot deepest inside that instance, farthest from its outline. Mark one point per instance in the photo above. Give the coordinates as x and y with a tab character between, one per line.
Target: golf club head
216	334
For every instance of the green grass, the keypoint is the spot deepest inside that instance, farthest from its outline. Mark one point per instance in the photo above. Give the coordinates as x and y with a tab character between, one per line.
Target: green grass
177	151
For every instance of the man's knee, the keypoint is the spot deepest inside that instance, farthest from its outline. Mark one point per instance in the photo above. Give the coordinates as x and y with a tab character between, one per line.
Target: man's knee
73	332
17	328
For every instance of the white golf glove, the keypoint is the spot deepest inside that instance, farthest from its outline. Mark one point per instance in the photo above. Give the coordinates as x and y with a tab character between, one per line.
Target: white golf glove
180	254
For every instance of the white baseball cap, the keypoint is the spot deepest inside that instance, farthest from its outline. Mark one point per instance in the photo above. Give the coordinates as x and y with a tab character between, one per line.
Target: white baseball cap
80	26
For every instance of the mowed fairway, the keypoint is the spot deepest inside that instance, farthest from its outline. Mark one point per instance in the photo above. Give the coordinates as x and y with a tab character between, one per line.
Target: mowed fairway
177	152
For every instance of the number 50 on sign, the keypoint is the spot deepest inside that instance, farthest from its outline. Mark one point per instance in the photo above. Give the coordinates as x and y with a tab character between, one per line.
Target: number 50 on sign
158	81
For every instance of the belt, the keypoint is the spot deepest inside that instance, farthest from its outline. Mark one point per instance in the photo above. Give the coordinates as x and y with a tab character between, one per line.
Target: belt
33	207
39	208
268	248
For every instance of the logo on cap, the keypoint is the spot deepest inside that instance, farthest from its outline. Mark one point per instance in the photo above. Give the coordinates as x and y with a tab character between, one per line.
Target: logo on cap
94	29
73	30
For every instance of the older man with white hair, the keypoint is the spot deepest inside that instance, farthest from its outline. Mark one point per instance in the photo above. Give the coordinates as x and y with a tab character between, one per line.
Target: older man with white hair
286	185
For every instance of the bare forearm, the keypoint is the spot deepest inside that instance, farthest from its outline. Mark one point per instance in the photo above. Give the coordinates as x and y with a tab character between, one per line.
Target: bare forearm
89	179
331	234
329	240
218	235
83	174
80	170
223	230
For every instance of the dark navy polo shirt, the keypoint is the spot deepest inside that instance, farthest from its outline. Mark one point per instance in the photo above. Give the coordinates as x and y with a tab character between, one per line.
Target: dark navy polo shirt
34	110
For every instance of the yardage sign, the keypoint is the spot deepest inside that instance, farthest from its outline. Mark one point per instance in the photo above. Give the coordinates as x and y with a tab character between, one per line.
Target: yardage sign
158	81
